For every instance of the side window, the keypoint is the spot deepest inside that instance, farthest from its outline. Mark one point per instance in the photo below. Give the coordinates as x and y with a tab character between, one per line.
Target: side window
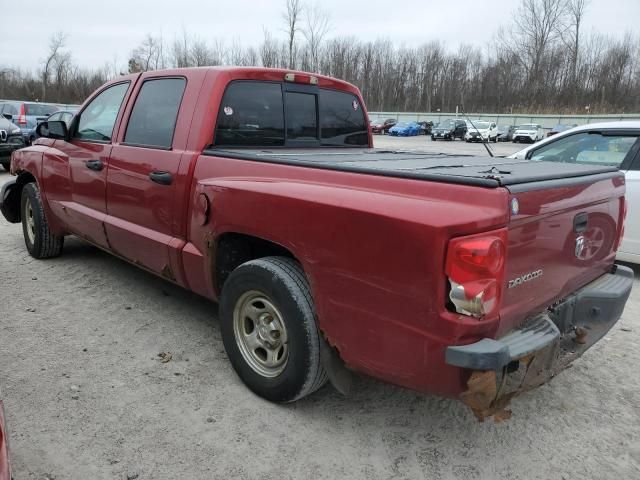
251	114
98	118
591	148
301	118
341	119
153	117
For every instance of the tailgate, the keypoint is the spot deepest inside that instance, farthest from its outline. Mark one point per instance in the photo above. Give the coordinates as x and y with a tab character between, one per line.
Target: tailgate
563	236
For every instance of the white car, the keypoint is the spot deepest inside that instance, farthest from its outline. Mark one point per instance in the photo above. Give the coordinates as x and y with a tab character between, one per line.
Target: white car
529	132
612	143
483	131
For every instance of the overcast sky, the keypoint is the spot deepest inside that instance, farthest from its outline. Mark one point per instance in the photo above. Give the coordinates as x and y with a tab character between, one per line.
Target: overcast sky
106	31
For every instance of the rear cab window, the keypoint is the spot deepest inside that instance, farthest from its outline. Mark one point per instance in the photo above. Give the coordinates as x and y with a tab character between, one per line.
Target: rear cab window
274	114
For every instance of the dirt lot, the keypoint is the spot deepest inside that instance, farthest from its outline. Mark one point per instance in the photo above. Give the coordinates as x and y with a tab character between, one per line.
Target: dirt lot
87	396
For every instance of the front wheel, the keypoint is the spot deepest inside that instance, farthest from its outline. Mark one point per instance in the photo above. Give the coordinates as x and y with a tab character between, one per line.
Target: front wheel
6	164
38	237
269	331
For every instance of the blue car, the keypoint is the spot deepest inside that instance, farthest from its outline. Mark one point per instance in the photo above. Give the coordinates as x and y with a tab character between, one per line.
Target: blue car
405	129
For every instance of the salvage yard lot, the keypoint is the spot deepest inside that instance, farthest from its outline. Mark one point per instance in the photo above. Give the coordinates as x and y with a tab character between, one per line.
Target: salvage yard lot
88	396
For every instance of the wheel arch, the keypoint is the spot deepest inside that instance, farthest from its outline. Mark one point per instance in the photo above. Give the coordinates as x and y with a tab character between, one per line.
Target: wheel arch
11	196
232	249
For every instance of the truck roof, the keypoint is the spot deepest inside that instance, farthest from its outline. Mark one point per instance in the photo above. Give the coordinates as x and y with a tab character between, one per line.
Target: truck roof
249	73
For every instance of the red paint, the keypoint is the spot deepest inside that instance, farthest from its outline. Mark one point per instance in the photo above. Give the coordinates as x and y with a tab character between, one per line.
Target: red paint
373	247
5	468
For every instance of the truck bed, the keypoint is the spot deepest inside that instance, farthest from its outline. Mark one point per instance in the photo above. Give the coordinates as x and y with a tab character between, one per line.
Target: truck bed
467	170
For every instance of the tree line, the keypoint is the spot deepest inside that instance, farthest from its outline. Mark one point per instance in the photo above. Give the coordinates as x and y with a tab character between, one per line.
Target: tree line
543	62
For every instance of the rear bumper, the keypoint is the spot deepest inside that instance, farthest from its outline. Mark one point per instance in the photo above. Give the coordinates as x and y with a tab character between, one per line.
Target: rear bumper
543	346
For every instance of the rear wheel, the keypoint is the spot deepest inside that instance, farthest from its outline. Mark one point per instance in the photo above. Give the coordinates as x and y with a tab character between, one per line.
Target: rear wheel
38	238
269	330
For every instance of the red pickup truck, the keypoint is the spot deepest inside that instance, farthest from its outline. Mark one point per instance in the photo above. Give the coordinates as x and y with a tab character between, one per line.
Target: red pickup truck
470	277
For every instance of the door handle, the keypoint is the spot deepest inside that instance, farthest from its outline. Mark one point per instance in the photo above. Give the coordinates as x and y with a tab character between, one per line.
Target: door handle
163	178
95	165
580	222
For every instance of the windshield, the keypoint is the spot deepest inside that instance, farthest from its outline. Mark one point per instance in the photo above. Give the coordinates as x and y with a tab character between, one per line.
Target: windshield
528	127
587	147
503	128
402	124
481	125
446	124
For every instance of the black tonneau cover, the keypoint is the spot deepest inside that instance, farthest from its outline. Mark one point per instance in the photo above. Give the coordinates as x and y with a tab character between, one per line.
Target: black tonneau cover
488	172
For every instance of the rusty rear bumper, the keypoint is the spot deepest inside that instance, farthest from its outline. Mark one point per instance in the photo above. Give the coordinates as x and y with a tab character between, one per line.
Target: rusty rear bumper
543	346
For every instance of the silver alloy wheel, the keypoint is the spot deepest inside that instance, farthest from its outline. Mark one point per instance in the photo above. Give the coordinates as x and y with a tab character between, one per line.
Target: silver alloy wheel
260	334
30	222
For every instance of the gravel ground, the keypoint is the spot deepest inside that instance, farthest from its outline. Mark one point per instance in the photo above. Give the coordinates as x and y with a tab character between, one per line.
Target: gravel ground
88	397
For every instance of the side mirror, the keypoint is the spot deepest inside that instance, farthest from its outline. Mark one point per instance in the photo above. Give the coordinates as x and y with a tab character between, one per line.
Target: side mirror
55	129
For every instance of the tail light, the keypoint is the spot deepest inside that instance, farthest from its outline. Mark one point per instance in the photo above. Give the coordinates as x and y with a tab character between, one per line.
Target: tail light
22	118
475	268
624	219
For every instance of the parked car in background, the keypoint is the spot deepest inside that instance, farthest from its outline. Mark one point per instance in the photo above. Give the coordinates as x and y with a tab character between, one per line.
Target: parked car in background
5	466
528	133
27	116
10	140
612	143
479	131
559	128
382	126
505	132
425	127
405	129
449	130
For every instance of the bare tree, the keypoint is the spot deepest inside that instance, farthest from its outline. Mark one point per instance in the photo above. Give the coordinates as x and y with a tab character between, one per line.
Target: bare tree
538	24
316	27
180	50
291	17
575	10
148	55
269	50
56	44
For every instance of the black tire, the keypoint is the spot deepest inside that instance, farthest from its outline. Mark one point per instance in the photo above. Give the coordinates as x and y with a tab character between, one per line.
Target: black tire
6	164
41	242
282	282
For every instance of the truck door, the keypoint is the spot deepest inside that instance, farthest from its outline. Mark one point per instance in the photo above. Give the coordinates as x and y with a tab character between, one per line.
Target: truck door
142	197
76	173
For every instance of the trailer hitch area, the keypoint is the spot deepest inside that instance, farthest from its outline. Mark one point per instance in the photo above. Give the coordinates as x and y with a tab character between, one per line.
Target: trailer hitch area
489	392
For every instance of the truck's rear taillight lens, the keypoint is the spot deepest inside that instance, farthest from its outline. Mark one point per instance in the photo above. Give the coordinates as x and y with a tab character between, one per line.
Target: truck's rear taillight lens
475	268
624	220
